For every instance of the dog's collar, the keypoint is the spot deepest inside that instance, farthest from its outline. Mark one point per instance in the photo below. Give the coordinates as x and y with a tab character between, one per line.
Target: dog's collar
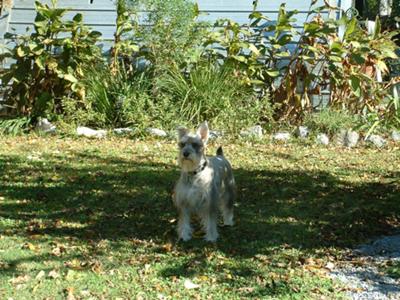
199	169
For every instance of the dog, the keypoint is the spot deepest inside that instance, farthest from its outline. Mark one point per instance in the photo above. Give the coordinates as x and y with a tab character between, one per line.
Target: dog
206	185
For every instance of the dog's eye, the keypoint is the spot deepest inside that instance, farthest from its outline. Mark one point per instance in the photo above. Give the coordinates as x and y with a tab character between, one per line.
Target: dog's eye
181	145
195	145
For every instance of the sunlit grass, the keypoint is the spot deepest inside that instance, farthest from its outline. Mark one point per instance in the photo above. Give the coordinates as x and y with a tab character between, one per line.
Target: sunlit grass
95	219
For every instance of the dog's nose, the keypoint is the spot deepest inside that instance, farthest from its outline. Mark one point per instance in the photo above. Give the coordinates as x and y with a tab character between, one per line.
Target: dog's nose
186	154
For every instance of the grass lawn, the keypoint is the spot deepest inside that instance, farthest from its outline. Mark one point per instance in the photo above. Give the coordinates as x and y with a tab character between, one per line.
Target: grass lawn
84	219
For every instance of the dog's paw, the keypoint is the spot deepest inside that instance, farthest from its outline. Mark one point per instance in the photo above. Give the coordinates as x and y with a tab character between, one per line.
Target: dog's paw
211	238
229	222
185	236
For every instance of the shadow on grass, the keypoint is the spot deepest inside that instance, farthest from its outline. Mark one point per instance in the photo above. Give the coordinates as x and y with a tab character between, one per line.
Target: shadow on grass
109	198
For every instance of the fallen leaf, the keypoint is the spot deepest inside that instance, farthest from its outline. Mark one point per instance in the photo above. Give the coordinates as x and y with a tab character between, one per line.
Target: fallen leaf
203	278
75	264
20	279
58	250
85	293
40	275
167	247
29	246
330	266
246	289
97	267
70	293
188	284
53	274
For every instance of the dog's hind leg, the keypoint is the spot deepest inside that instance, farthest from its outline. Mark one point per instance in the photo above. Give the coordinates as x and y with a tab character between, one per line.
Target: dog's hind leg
227	208
227	201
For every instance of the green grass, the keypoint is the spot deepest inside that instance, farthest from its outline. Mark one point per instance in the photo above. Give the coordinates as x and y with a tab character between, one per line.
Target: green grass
97	218
392	269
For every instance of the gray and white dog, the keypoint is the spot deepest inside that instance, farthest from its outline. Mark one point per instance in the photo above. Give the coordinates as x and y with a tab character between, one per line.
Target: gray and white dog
206	185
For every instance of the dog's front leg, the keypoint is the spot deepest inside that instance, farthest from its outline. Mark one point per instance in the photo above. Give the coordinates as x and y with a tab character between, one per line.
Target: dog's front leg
210	226
209	217
184	228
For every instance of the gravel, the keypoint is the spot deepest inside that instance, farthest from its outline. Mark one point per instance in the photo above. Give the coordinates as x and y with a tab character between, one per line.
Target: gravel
364	280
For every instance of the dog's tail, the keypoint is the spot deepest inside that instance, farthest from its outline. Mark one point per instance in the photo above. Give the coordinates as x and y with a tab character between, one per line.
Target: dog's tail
220	152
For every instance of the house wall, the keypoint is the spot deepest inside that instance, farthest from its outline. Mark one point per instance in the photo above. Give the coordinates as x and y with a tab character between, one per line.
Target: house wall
100	14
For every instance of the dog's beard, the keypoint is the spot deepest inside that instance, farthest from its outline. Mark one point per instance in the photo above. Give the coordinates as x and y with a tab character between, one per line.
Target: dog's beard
188	164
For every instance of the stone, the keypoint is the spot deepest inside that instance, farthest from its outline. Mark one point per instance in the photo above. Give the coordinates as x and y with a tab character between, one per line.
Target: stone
45	126
395	135
89	132
351	139
341	137
302	132
281	136
156	132
255	131
376	140
215	134
323	139
122	131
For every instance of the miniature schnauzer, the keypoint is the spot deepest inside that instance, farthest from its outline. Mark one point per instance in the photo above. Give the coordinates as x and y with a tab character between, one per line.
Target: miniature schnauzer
205	186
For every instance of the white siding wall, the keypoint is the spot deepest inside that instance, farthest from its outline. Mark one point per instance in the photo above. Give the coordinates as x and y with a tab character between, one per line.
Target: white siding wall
100	14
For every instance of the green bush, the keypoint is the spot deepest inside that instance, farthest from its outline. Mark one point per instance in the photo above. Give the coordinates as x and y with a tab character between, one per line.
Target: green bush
106	94
330	121
15	126
48	67
211	92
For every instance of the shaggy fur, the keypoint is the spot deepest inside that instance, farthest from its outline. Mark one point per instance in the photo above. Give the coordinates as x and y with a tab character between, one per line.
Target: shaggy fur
206	185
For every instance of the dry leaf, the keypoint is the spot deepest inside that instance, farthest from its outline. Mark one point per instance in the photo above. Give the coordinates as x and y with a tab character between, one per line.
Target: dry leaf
58	250
74	264
167	247
330	266
29	246
85	293
53	274
40	275
96	267
70	293
188	284
203	278
20	279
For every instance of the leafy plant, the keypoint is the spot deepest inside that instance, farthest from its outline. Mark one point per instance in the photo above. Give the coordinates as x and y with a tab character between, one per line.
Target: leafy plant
169	33
316	58
394	270
126	22
330	121
15	126
105	93
47	64
211	92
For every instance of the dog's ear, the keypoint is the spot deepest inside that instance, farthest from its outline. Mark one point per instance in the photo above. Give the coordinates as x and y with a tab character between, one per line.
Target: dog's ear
202	131
182	131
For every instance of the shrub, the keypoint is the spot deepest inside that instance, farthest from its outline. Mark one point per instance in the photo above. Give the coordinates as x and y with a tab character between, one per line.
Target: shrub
211	92
106	93
47	67
15	126
330	121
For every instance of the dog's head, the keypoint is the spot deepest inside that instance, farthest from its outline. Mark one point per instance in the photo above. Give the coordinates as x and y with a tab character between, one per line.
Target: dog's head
192	147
